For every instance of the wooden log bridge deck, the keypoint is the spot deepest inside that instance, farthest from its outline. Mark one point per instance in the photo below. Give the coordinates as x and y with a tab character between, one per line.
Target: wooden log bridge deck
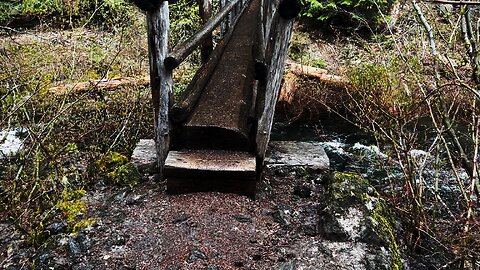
215	136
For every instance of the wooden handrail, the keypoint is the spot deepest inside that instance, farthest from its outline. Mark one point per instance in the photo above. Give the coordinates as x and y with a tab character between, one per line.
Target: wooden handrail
181	110
182	51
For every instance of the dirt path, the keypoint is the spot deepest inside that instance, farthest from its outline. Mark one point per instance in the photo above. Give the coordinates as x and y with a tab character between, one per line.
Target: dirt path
151	230
148	229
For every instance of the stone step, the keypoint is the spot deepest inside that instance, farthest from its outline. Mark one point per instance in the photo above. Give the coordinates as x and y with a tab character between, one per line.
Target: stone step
209	162
226	171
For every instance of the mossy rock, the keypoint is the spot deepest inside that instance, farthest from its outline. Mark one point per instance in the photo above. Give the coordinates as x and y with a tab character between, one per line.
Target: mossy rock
355	212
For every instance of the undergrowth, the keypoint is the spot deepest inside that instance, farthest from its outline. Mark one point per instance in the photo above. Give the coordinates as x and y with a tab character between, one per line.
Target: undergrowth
74	138
415	89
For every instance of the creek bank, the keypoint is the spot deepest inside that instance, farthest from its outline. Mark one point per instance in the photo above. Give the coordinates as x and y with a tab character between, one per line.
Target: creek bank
303	218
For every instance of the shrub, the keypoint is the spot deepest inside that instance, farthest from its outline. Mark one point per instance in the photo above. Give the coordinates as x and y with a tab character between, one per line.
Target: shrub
348	13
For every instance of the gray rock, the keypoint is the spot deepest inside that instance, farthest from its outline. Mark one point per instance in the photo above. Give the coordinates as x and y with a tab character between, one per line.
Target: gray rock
196	254
291	154
282	215
57	227
180	219
243	218
82	266
116	239
144	157
358	224
288	266
74	248
302	191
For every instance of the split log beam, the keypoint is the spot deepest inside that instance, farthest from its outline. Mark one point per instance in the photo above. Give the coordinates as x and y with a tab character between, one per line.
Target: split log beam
181	110
182	51
317	73
160	78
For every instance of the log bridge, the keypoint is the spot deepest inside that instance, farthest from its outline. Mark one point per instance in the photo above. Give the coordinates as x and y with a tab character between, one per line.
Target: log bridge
216	135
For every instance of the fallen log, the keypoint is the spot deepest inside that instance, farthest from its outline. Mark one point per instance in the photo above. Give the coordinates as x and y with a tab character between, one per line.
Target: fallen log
314	72
294	70
106	85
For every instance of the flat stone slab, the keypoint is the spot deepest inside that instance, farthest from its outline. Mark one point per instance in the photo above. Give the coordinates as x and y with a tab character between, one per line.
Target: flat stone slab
292	153
280	154
144	156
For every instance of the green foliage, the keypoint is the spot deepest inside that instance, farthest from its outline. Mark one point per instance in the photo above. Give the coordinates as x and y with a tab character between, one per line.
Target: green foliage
125	175
109	13
71	204
348	12
110	161
184	20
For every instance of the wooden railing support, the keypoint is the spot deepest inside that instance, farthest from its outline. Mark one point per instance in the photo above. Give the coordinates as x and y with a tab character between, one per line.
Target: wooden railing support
225	24
158	24
279	31
205	10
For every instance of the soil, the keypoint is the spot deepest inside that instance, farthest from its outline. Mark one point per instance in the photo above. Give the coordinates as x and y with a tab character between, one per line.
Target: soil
146	228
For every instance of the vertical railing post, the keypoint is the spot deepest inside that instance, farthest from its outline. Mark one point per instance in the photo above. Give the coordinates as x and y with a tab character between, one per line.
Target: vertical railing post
205	10
278	30
158	24
225	25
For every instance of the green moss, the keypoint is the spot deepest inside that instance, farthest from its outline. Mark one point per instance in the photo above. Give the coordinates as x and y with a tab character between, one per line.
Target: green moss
110	161
347	185
125	175
71	204
348	188
118	170
383	221
82	224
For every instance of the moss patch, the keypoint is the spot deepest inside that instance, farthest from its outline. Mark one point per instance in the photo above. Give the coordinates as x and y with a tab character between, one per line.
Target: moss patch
347	190
116	168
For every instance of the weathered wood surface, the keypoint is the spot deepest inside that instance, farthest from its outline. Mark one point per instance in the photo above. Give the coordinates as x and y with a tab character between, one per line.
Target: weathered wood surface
182	109
268	99
259	47
183	50
225	24
220	120
160	78
211	160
